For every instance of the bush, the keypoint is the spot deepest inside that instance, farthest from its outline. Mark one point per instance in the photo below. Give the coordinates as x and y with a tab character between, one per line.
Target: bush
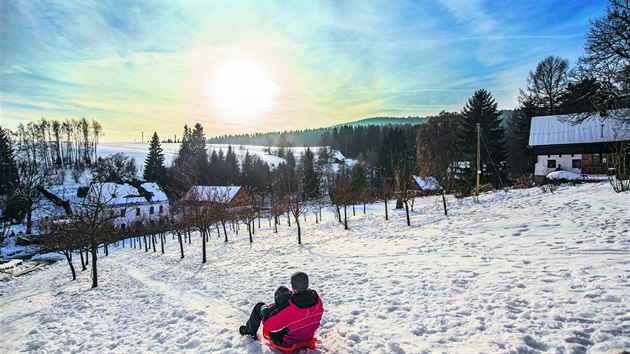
524	181
488	187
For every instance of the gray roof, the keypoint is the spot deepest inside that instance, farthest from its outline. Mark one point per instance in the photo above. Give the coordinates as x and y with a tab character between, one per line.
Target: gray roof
554	130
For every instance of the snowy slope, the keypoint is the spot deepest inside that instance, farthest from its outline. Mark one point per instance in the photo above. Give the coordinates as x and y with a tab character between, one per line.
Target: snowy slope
139	151
522	271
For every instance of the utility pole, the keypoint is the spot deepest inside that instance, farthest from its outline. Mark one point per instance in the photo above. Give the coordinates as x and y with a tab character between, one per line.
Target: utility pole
478	159
142	136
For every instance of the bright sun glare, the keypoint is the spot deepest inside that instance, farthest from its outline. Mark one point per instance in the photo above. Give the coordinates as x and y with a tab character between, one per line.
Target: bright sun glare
242	89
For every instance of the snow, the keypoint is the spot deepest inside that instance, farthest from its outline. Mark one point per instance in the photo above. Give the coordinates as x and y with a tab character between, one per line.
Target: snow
223	194
158	194
564	175
139	152
549	130
522	271
427	183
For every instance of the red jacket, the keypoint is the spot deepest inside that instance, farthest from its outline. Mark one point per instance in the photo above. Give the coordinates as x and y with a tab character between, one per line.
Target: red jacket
301	318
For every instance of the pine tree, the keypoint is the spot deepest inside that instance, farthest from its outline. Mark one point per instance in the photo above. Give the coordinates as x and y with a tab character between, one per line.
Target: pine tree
154	168
8	168
231	166
200	154
482	108
310	178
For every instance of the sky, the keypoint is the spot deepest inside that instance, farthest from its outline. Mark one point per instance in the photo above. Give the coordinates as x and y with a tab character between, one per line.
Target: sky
257	66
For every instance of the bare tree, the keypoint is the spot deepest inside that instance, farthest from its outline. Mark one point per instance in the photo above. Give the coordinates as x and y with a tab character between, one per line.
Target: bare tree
341	193
546	84
27	192
60	235
403	172
95	223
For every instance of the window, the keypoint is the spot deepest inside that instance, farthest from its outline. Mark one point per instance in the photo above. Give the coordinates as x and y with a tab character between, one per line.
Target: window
137	211
122	226
161	209
551	163
576	163
122	212
151	210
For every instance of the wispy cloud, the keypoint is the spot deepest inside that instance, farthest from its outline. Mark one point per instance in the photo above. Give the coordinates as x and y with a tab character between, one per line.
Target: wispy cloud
140	65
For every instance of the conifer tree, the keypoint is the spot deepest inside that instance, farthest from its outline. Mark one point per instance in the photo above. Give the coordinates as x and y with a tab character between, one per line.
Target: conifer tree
231	166
154	168
9	177
200	154
482	108
309	175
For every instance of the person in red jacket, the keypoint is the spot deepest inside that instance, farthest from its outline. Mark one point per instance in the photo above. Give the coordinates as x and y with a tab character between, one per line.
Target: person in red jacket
292	318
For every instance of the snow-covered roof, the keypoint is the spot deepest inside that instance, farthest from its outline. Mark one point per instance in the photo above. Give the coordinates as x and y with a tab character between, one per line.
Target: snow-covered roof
427	183
217	194
336	154
156	190
550	130
112	193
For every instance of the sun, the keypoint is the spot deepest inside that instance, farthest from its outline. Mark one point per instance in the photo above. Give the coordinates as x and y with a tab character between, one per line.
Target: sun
242	89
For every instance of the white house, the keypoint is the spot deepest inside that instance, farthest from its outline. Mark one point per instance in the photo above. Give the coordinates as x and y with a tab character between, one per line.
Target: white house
582	148
130	202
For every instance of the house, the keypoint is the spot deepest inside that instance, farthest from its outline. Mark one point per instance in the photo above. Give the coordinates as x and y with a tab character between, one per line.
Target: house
583	148
130	203
425	185
223	196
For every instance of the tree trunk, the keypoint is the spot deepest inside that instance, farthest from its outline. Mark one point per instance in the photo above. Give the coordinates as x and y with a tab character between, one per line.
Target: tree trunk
83	267
289	219
353	211
407	212
224	230
386	214
181	243
153	241
69	259
297	223
29	221
162	242
444	202
203	241
345	218
94	270
146	244
106	250
249	229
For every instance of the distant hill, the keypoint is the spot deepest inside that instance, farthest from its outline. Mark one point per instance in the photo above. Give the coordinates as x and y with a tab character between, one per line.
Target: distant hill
310	137
385	121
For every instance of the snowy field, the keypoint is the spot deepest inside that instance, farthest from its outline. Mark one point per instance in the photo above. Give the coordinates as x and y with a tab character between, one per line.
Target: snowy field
522	271
139	151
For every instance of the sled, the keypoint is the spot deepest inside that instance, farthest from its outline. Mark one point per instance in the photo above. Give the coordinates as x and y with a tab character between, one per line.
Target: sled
288	350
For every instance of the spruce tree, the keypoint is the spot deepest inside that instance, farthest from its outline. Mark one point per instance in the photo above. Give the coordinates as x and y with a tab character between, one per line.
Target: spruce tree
200	154
154	169
482	108
8	168
310	178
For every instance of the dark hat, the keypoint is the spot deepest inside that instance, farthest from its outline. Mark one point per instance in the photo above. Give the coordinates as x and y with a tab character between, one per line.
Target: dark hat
299	281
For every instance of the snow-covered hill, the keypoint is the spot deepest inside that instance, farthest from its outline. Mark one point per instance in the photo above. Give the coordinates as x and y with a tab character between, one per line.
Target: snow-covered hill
521	271
139	151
